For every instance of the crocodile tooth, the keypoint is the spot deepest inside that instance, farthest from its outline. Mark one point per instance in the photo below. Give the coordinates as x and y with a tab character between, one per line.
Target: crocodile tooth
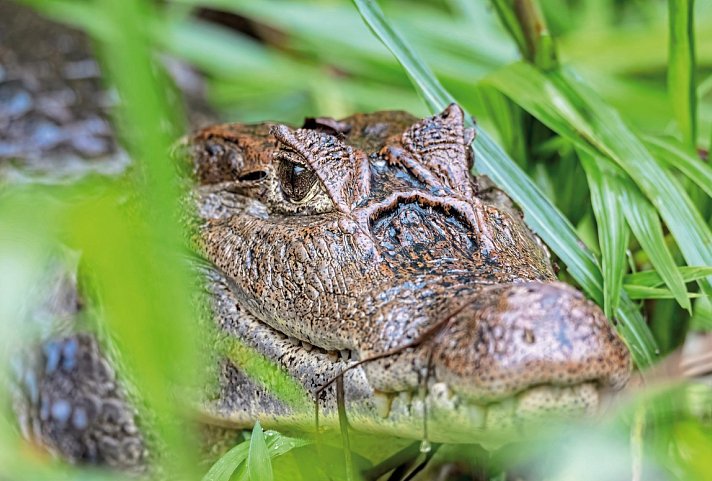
441	396
382	402
400	404
333	356
306	346
418	406
345	354
294	340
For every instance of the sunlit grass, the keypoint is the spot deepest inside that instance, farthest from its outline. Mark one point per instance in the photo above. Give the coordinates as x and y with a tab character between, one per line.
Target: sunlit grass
577	119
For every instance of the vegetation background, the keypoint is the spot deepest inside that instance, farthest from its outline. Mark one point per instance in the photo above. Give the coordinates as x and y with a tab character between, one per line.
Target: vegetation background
594	115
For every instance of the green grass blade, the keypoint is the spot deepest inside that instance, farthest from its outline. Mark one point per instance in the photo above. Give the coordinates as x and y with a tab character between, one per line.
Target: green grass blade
433	93
224	467
681	67
508	17
277	445
259	464
645	224
702	320
146	292
612	229
527	26
265	371
540	214
507	119
673	154
653	279
571	109
643	292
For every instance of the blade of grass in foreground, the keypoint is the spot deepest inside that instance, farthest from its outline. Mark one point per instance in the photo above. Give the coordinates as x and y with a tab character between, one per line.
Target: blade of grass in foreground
612	229
130	236
643	292
626	200
265	372
681	67
259	465
653	279
277	444
645	224
672	153
541	215
567	106
642	219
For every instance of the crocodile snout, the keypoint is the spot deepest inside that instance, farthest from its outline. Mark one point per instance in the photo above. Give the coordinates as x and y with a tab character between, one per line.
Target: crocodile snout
523	335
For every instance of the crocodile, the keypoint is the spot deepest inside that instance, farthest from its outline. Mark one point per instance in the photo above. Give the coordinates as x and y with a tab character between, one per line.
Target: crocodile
361	258
364	246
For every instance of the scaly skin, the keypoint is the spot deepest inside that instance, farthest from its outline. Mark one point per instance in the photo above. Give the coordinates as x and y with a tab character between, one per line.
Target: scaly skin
364	247
398	258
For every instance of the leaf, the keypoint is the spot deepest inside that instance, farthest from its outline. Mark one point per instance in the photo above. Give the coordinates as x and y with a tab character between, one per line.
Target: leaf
624	199
231	55
259	464
693	441
540	214
527	26
508	17
434	95
265	371
645	224
653	279
149	313
277	445
506	116
673	154
563	103
644	292
702	319
612	229
681	67
224	467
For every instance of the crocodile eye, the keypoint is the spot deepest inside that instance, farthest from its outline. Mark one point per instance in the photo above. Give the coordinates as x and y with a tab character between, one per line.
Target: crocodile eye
296	180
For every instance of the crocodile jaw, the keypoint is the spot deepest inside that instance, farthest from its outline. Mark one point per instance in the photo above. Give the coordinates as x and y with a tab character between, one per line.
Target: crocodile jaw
450	416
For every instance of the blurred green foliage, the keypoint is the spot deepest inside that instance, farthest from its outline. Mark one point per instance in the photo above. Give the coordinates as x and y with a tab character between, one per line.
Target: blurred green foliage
593	111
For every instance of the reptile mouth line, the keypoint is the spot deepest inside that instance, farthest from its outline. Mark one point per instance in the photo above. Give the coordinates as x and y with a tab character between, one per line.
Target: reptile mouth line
447	414
531	404
334	356
536	398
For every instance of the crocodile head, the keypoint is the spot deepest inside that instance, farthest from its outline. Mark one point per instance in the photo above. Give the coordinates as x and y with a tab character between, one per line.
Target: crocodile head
367	243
